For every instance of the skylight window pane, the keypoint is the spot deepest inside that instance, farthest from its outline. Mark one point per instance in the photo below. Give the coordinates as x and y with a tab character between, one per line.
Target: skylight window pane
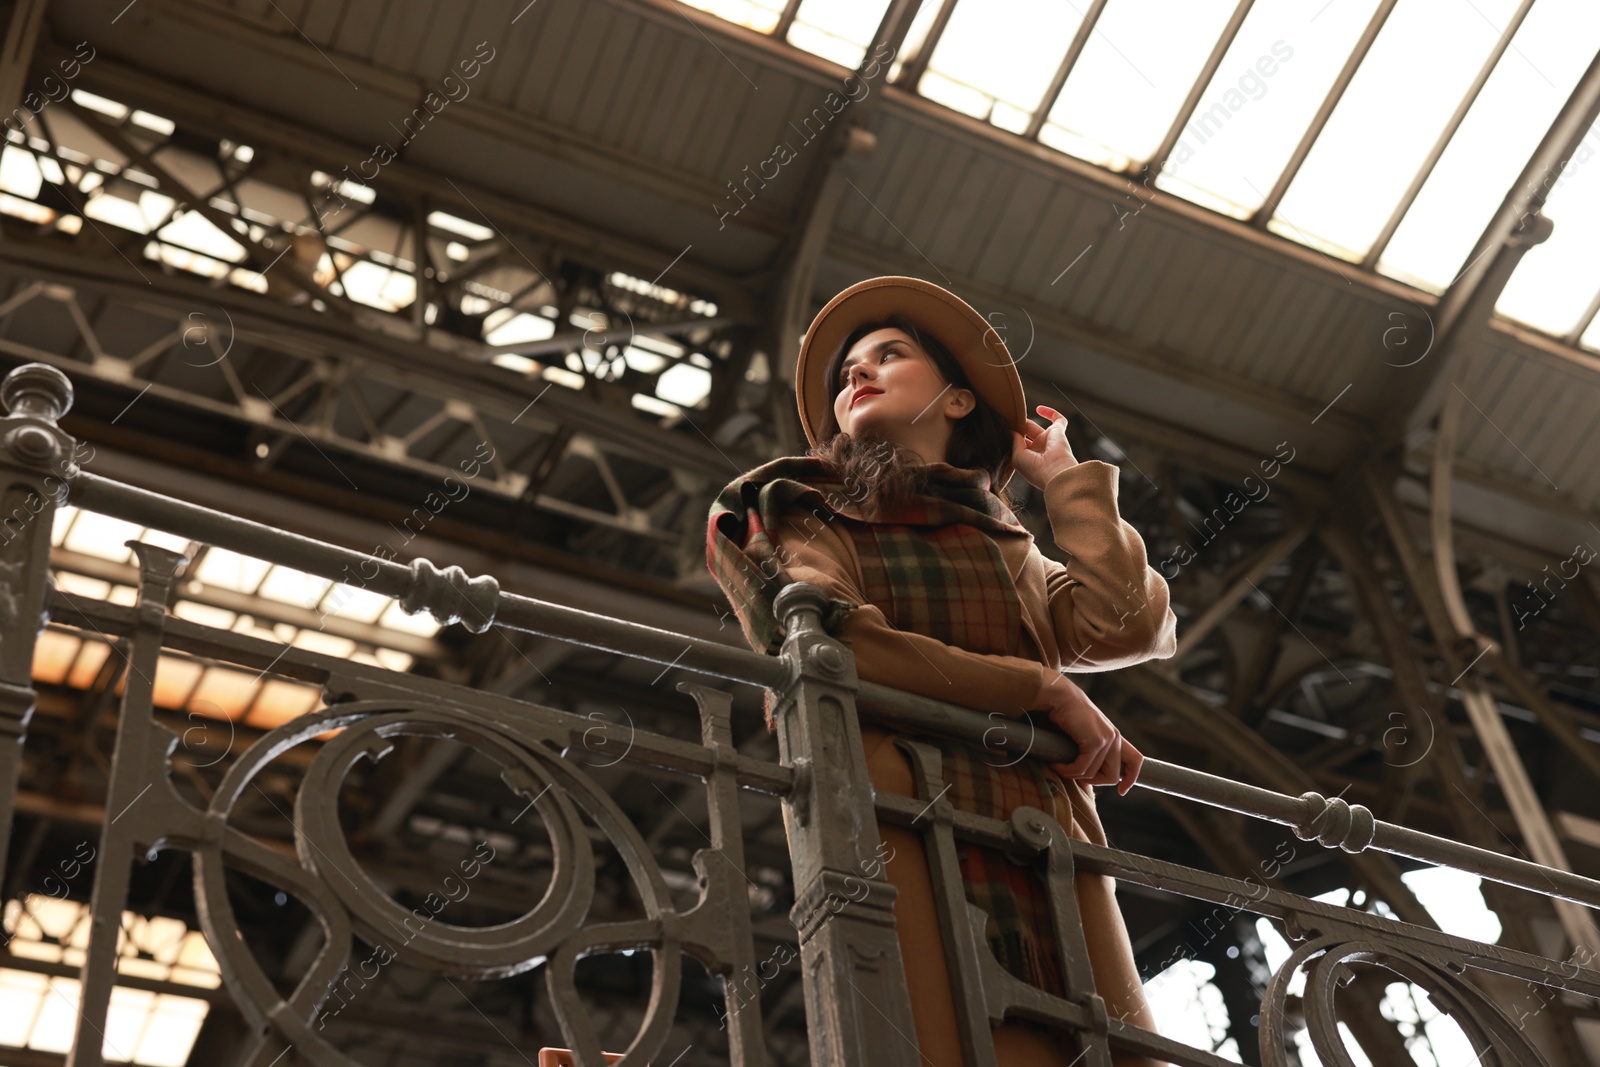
154	1029
279	702
126	1018
1265	93
916	37
759	15
174	681
224	692
21	996
1555	281
325	644
1126	87
995	58
379	287
194	955
62	521
197	233
1416	73
230	570
91	657
393	660
683	385
1455	900
289	586
173	1026
1186	994
472	231
422	623
53	654
57	1017
1521	98
101	535
839	30
19	173
507	327
77	585
354	603
161	539
204	614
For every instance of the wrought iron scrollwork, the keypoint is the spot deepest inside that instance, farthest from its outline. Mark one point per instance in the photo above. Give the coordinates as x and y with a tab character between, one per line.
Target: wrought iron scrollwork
336	888
1330	961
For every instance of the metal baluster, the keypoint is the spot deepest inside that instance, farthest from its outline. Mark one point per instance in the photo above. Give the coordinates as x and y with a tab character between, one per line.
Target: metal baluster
138	765
725	881
962	943
857	1004
36	460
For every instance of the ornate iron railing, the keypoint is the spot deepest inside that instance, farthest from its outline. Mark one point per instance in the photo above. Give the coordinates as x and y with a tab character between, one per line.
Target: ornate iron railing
857	1003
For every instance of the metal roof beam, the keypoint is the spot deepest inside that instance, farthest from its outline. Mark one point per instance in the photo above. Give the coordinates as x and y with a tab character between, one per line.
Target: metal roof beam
1476	289
579	240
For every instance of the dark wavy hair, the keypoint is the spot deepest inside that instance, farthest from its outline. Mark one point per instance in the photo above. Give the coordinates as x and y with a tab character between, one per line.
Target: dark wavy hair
887	474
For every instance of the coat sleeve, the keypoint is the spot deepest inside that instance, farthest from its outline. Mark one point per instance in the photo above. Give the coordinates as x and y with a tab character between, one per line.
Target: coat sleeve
1109	607
901	659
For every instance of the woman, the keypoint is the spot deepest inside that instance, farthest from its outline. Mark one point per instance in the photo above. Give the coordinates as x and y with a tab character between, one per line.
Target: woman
915	411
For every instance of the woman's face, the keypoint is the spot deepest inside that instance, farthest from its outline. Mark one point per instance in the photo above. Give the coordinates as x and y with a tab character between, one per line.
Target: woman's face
902	395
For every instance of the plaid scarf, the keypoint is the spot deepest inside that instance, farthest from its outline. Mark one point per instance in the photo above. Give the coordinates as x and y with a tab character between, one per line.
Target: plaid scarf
933	566
932	559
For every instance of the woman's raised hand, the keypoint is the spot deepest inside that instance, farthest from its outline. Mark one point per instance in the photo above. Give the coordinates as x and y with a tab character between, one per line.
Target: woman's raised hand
1042	452
1104	756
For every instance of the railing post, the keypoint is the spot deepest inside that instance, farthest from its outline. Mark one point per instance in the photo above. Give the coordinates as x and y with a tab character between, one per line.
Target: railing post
36	461
857	1004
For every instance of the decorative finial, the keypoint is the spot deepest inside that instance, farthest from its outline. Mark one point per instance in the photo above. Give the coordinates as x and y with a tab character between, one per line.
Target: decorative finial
37	390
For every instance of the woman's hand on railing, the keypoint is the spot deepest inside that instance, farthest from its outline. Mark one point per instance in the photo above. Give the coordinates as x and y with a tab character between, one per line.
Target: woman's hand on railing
1104	756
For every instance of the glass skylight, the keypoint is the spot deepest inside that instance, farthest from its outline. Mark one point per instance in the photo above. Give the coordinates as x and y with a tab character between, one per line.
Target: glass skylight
1556	281
995	59
839	30
19	173
1125	89
508	327
759	15
1266	91
683	384
151	1029
71	653
1387	121
1533	79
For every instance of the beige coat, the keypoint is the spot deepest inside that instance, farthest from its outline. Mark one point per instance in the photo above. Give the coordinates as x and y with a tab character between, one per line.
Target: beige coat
1105	608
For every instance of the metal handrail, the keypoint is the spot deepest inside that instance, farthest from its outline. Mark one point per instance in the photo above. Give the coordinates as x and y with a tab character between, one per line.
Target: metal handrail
421	586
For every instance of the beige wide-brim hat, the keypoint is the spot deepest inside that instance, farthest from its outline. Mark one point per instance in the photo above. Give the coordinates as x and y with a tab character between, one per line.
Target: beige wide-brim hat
974	342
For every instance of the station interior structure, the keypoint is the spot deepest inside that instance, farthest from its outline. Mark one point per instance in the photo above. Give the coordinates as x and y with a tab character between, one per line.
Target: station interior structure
1317	277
